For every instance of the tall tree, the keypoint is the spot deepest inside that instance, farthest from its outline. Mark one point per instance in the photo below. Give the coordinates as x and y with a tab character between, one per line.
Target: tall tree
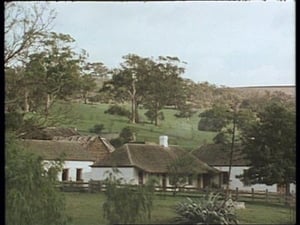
54	72
30	193
127	83
25	25
163	84
87	84
226	120
270	144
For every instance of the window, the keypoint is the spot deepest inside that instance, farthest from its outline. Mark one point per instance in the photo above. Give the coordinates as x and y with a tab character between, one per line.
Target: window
225	176
171	180
141	178
78	174
281	188
65	175
190	180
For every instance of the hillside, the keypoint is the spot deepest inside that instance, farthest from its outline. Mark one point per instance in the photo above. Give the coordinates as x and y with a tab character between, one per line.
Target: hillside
288	89
181	131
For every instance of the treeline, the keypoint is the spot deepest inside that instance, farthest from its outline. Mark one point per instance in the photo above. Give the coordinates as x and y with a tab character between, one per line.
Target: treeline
43	67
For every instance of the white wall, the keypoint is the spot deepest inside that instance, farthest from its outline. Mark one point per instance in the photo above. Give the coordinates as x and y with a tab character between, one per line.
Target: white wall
73	166
129	174
236	183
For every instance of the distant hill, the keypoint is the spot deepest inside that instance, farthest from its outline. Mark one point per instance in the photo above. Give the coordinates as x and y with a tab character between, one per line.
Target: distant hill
288	89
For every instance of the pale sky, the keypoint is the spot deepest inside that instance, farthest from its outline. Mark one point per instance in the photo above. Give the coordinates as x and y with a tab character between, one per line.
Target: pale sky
241	43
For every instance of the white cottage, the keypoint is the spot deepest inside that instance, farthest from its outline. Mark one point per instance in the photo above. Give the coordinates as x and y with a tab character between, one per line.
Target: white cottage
217	155
78	154
137	162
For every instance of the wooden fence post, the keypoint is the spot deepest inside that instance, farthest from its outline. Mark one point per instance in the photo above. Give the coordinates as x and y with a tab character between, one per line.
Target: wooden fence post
267	195
236	193
252	194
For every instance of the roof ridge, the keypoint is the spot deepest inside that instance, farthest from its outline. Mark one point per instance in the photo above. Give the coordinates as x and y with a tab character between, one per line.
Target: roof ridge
129	155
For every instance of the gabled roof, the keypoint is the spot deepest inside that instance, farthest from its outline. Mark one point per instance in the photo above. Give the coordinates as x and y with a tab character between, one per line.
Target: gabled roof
52	150
219	155
85	140
49	133
150	158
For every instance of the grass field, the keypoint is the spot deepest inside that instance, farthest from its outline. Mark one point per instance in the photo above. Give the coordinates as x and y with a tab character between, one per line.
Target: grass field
181	131
86	208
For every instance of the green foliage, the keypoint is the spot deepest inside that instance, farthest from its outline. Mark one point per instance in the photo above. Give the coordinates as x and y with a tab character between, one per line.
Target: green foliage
126	204
118	110
214	119
31	196
126	135
97	129
150	114
207	210
185	111
180	170
221	138
270	144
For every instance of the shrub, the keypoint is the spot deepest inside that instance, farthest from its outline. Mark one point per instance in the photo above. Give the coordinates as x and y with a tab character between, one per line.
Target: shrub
118	110
207	210
97	129
127	204
31	196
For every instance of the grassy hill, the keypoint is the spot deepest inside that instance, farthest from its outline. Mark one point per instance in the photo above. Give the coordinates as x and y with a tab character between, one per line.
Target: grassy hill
181	131
287	89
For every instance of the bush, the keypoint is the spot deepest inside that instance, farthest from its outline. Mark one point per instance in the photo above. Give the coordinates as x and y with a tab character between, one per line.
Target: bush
118	110
125	136
97	129
31	196
126	204
210	124
117	142
208	210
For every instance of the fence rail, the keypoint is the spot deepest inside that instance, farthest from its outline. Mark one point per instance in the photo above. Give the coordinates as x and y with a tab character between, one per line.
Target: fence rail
94	186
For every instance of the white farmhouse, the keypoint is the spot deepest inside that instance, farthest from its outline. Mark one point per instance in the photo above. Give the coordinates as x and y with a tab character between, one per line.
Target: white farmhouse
77	152
217	155
137	162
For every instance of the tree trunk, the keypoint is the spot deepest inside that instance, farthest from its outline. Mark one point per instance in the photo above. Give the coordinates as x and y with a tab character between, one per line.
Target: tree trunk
133	102
48	103
26	101
84	98
133	109
287	193
156	115
137	118
231	153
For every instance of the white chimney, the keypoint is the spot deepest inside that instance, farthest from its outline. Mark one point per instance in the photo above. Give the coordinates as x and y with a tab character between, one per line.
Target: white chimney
163	141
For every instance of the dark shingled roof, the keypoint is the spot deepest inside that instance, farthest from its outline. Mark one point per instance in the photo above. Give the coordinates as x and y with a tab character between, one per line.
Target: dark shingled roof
52	150
150	158
49	133
219	155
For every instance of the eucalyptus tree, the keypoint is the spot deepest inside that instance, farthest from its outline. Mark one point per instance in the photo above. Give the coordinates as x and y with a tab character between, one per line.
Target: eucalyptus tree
54	72
270	144
227	120
24	26
163	85
128	82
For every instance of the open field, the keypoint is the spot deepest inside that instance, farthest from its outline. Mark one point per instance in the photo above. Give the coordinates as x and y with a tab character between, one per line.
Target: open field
86	208
181	131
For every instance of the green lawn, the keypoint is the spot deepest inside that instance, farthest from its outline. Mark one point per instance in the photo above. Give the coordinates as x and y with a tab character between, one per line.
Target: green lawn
86	208
181	131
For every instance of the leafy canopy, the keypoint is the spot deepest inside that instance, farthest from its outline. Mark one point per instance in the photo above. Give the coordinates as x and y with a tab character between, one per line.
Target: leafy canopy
270	144
31	196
